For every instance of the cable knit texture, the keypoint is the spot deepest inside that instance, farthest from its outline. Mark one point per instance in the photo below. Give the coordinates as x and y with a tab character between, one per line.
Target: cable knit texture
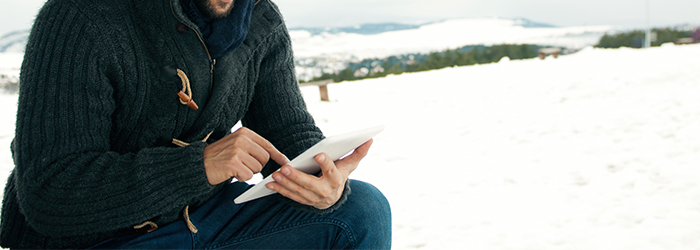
91	150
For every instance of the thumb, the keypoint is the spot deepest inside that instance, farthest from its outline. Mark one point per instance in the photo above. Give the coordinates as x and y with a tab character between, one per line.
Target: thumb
359	153
351	162
327	166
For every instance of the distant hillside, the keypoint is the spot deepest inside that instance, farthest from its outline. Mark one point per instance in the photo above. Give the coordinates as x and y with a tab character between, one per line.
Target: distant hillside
378	28
364	29
437	36
14	41
525	23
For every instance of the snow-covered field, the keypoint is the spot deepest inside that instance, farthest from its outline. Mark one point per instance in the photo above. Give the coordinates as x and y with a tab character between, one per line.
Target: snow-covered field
594	150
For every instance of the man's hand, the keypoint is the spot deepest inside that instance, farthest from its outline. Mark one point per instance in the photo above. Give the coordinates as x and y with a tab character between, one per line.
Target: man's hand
241	155
320	192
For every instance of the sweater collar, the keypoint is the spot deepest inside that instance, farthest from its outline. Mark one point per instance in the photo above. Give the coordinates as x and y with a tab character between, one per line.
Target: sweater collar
224	35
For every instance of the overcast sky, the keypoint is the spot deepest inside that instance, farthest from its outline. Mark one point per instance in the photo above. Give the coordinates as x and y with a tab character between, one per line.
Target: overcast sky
18	14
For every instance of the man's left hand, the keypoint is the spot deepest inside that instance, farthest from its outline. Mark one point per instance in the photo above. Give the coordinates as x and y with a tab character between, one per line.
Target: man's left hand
323	191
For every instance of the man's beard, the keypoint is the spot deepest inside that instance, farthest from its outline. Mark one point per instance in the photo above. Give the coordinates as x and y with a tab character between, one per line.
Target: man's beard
211	10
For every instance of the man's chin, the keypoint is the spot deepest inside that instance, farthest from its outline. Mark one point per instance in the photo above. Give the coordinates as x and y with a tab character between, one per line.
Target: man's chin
220	14
217	10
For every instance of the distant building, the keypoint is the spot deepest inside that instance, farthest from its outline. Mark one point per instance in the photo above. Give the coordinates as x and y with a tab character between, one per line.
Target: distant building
362	72
9	84
4	79
411	60
377	69
695	35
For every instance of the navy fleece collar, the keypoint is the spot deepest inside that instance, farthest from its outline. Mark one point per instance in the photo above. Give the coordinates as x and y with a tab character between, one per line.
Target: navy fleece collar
224	35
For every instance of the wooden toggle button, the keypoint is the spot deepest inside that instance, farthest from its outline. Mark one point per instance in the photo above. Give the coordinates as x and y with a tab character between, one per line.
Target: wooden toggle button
187	100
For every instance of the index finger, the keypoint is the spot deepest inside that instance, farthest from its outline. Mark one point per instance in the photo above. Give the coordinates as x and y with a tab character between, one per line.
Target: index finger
275	154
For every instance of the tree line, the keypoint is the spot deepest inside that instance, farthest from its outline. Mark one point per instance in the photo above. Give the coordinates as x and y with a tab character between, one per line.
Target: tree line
467	55
636	38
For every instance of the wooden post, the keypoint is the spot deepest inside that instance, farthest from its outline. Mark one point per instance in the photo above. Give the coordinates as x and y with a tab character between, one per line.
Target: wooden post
542	53
322	88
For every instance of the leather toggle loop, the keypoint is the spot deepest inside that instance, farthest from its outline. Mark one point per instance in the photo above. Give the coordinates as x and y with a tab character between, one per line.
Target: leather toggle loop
186	93
190	225
151	226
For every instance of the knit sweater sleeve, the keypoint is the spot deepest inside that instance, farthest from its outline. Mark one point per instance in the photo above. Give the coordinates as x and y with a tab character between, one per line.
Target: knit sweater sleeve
278	111
68	181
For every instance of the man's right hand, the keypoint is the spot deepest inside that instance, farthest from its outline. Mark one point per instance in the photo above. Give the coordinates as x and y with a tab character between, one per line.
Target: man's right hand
240	155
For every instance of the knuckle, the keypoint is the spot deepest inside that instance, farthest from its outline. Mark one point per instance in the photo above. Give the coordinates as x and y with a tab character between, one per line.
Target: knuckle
257	168
230	173
338	183
264	142
297	189
241	142
244	176
324	195
266	158
307	185
268	144
234	159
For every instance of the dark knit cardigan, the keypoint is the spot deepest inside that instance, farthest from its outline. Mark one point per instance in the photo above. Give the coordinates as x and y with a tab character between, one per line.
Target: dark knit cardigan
96	116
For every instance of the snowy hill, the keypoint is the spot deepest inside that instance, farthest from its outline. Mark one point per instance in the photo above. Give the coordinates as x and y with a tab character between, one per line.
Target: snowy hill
595	150
14	41
11	53
363	29
442	35
377	28
330	52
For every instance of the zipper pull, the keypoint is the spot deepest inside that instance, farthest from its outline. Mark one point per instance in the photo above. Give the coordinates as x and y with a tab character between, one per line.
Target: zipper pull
213	63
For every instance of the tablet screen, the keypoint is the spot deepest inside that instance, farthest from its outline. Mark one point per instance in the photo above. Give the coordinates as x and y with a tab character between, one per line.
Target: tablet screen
335	147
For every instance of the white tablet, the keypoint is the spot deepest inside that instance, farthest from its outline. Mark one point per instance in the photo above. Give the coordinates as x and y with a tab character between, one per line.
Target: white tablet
334	146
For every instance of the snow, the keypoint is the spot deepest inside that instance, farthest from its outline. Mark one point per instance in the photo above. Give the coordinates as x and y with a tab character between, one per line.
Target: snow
10	63
593	150
439	36
7	132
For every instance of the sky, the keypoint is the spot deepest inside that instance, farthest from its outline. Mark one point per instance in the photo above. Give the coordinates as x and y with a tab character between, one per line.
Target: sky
18	15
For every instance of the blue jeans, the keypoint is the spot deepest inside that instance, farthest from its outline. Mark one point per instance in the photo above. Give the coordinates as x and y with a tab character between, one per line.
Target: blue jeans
363	222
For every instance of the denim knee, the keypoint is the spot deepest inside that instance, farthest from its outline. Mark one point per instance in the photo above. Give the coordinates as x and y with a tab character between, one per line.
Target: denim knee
371	215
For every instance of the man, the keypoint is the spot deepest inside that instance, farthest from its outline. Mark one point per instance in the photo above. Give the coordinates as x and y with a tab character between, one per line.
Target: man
123	134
